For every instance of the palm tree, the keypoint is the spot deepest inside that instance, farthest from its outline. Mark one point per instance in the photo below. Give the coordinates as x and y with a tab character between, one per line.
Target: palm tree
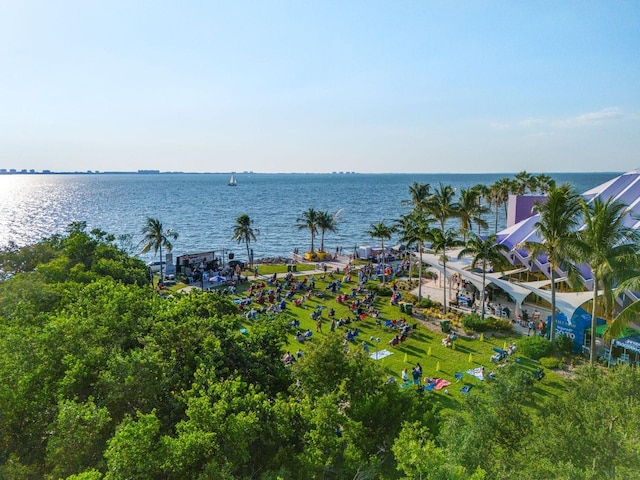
420	193
414	229
156	237
244	232
441	241
632	311
543	183
556	228
442	206
309	221
484	194
326	222
485	251
524	182
383	232
608	246
499	195
470	211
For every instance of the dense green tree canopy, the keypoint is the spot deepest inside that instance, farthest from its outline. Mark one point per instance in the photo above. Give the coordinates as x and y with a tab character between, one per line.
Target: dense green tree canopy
102	378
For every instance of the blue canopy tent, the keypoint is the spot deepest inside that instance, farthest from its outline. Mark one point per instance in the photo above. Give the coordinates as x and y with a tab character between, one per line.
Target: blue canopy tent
575	328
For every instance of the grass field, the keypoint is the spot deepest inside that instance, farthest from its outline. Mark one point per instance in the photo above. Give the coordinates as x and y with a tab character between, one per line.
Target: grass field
424	345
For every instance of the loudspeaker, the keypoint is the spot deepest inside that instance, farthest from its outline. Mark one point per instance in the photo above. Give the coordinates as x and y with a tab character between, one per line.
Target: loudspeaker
231	255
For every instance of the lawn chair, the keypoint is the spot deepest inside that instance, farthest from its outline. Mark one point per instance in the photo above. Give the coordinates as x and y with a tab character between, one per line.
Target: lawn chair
499	355
538	374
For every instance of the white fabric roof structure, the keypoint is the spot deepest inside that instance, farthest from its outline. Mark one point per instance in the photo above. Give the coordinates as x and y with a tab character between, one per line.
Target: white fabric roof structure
566	303
624	188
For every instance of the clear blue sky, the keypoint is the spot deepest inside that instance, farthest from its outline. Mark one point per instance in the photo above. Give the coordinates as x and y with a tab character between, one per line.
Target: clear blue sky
320	86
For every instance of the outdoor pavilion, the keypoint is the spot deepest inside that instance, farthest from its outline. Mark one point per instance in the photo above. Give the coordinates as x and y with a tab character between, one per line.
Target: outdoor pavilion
566	302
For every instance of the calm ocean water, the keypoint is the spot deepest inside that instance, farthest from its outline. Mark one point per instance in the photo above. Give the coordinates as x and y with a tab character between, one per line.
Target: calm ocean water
203	209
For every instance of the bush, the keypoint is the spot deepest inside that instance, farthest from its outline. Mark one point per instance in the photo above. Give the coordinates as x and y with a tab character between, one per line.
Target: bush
550	362
428	303
381	290
473	323
564	344
534	347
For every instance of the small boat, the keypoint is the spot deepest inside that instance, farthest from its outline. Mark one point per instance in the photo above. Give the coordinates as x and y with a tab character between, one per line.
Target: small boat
232	181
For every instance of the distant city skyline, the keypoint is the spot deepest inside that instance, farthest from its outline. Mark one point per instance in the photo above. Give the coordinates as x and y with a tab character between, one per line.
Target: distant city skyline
369	87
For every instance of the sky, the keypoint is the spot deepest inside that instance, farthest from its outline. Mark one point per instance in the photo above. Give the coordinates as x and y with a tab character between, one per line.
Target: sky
320	86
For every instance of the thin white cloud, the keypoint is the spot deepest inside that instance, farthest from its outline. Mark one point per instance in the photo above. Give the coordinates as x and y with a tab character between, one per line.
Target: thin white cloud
590	119
584	120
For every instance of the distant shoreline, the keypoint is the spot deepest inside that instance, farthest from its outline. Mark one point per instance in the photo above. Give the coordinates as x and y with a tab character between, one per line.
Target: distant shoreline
157	172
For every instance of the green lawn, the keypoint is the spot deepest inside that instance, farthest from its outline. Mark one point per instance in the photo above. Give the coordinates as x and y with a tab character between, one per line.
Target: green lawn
282	268
423	345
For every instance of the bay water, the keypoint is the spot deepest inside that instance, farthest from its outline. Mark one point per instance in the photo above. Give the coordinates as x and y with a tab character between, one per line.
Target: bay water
202	208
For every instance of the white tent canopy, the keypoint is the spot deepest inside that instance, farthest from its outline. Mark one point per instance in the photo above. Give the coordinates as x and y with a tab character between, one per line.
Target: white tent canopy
566	303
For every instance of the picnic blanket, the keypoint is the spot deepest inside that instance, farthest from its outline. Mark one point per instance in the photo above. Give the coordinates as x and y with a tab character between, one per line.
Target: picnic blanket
477	372
440	383
380	355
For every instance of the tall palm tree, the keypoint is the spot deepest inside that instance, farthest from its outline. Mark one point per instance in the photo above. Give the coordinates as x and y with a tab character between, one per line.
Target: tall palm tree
471	211
243	232
484	195
440	242
325	222
499	196
556	228
382	232
543	183
523	182
156	237
485	251
414	229
309	221
608	246
442	205
419	193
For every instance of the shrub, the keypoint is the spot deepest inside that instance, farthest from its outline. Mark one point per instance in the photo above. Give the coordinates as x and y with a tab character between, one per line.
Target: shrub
409	297
381	290
473	323
501	325
534	347
428	303
564	344
550	362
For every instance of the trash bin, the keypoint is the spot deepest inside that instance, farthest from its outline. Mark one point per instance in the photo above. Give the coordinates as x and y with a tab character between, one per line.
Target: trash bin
445	326
408	308
294	267
288	268
401	305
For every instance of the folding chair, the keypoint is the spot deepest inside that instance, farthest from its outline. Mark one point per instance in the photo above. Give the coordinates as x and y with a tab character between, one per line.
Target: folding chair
458	376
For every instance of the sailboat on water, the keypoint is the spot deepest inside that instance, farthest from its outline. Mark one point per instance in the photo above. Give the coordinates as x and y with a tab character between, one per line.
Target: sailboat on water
232	181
